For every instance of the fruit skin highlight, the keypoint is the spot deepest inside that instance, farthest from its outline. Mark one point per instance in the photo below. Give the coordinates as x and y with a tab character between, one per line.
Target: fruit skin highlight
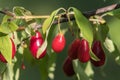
83	51
36	42
68	67
98	51
73	49
58	43
2	59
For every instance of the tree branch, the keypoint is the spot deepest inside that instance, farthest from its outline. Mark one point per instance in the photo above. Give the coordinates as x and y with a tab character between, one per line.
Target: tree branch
64	17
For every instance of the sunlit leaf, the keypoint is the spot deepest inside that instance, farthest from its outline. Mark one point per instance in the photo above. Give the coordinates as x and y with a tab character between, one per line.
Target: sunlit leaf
8	27
114	32
46	28
81	75
48	22
6	48
84	25
19	11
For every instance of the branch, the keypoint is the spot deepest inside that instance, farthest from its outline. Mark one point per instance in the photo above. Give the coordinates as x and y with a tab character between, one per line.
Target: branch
64	17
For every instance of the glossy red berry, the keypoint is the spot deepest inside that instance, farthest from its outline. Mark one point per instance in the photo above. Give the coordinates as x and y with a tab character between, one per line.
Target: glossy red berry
98	51
35	43
13	52
68	67
83	51
58	43
73	49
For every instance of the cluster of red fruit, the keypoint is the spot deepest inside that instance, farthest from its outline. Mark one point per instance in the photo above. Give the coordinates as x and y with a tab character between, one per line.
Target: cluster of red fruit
79	49
36	41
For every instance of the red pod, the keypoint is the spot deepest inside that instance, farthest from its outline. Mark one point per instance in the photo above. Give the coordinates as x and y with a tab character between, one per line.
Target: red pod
83	51
73	49
68	67
58	43
36	42
13	52
98	51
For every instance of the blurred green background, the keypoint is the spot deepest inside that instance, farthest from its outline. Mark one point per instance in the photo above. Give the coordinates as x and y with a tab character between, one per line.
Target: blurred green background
44	7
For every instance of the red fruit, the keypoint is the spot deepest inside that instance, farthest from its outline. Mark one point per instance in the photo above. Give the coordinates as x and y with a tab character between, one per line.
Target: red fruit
13	52
58	43
23	67
83	51
35	42
68	67
73	49
98	51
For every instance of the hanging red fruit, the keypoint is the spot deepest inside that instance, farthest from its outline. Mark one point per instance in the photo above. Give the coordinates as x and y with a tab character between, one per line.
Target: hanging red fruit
2	59
83	51
68	67
73	49
98	51
58	43
36	42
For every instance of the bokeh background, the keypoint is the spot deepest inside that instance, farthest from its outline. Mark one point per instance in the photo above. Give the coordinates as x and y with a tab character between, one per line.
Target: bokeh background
44	7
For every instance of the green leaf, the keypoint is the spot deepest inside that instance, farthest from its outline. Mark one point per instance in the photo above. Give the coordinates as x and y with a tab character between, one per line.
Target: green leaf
2	67
81	75
88	70
114	32
102	32
20	11
8	74
48	22
93	56
53	31
84	25
42	48
46	28
5	19
109	45
8	27
6	48
115	13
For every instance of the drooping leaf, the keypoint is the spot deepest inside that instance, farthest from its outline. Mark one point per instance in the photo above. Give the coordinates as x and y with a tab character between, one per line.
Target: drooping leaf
8	27
48	22
114	32
2	67
19	11
6	48
88	70
102	32
113	24
46	28
8	74
84	25
53	31
81	75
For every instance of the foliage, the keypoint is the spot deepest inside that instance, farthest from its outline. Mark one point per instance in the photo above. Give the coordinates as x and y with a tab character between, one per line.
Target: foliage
10	27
